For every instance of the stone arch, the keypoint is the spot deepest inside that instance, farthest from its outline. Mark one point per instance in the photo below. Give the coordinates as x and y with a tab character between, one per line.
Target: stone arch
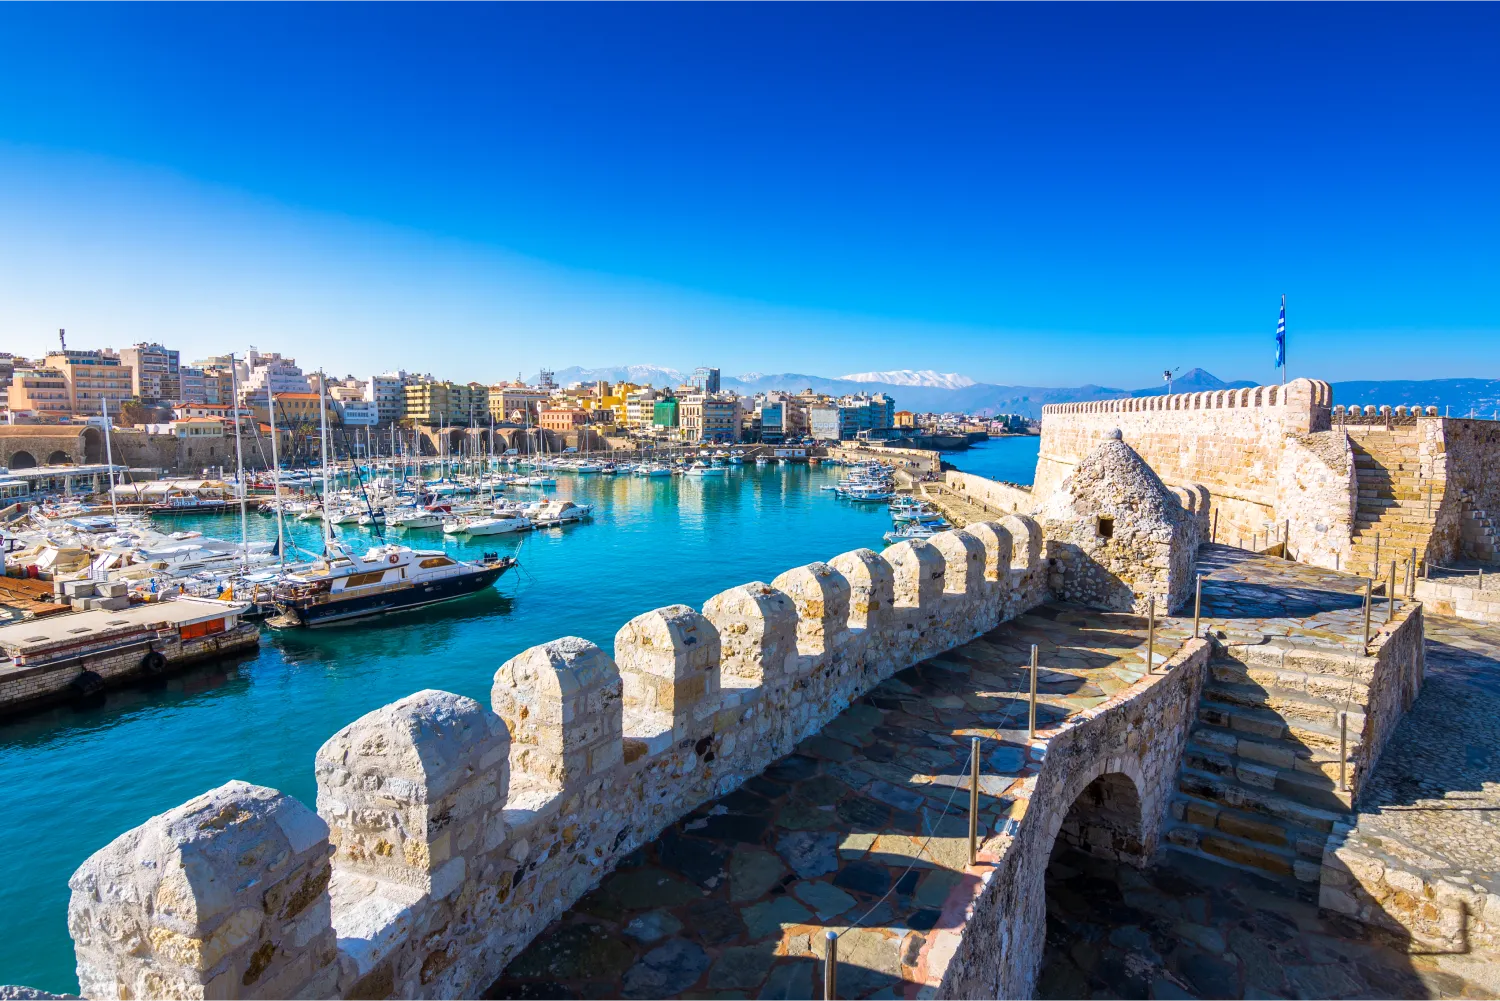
93	445
21	459
1106	819
58	457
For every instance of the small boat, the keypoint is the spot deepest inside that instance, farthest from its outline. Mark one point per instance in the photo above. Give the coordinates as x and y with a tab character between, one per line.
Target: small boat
701	468
485	526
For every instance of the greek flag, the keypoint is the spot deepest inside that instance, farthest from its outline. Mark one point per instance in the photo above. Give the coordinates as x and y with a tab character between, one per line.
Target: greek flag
1281	336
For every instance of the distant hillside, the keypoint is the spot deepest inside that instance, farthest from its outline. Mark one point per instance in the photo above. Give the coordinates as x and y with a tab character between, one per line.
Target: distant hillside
1459	396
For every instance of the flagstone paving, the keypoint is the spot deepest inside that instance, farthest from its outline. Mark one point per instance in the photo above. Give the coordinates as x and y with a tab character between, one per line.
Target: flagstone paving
1190	928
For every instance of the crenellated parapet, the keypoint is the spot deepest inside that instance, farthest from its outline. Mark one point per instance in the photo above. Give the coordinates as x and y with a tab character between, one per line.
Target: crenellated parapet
448	834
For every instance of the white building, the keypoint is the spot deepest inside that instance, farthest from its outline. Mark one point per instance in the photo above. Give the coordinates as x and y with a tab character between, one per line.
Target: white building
282	374
388	393
357	412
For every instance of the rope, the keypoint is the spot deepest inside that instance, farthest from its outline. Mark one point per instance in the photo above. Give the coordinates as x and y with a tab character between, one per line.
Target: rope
968	761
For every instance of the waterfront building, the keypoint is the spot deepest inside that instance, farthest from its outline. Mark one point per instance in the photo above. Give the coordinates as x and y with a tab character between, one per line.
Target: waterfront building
665	413
191	387
434	402
154	373
72	382
292	410
705	380
515	402
704	417
773	422
356	412
387	392
903	419
563	419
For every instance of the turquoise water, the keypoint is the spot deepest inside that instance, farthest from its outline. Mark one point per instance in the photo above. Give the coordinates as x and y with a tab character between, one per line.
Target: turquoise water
76	778
1010	459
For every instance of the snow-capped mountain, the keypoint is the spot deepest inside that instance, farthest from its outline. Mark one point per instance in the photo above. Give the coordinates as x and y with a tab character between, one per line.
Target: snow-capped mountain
653	374
908	377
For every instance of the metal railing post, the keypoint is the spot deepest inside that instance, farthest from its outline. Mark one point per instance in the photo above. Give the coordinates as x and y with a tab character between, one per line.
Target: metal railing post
1197	606
1343	750
1411	574
1369	590
1031	724
974	801
1390	595
1151	634
1375	566
1213	536
1286	539
831	967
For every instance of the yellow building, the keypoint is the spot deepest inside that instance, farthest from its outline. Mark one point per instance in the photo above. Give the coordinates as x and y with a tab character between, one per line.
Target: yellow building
86	378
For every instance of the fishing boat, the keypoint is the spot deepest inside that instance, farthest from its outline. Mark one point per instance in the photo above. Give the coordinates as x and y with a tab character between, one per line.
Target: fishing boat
388	578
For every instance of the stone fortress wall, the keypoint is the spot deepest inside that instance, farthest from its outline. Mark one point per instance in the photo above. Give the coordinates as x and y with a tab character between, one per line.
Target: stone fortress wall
447	835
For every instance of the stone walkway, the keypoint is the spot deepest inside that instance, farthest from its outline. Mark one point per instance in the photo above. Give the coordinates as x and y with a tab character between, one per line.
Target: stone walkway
1188	928
734	899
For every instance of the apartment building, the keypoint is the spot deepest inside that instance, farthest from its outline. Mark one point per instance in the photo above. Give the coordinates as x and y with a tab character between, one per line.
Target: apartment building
155	373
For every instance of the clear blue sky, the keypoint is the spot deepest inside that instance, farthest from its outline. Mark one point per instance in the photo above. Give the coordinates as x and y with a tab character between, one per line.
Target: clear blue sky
1022	193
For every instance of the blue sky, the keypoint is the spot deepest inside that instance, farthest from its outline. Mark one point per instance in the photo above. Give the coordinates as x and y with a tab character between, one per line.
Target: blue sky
1022	193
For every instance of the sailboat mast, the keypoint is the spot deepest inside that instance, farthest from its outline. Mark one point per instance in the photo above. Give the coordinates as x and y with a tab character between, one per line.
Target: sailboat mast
323	448
276	476
239	463
109	457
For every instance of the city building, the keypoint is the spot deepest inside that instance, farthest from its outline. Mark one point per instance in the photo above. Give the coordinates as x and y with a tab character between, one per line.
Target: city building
516	403
773	422
281	374
388	392
704	417
664	413
705	380
87	377
356	412
154	373
191	387
444	403
903	419
563	419
8	365
40	389
293	410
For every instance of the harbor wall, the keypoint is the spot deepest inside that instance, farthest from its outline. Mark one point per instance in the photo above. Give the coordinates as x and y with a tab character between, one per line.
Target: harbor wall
114	663
997	497
447	835
913	460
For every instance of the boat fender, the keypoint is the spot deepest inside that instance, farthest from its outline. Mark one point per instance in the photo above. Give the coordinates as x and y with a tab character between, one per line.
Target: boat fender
87	683
394	558
154	661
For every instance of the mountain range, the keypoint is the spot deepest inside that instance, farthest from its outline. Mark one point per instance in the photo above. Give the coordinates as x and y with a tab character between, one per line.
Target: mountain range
927	390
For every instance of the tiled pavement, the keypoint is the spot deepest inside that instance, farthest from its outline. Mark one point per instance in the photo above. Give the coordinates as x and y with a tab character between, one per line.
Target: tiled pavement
734	900
1188	928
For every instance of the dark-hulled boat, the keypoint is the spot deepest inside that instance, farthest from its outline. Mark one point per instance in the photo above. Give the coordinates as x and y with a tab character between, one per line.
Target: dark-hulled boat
388	578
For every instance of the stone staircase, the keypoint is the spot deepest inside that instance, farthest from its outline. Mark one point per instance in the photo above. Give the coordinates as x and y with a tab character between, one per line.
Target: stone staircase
1259	785
1392	504
1481	532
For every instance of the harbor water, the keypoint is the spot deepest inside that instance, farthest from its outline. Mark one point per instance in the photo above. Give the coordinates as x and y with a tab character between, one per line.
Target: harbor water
75	778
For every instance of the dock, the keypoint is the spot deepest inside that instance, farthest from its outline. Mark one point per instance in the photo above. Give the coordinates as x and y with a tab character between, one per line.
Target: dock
64	657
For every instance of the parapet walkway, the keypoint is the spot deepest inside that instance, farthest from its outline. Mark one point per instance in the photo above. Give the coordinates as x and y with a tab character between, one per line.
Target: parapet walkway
737	897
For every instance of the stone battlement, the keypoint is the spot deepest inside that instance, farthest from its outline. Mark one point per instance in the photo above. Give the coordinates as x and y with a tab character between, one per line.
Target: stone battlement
1305	394
448	835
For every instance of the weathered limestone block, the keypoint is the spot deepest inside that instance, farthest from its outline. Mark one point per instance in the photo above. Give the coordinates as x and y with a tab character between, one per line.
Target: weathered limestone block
918	570
224	896
411	789
757	627
821	596
872	597
669	666
963	584
562	703
996	586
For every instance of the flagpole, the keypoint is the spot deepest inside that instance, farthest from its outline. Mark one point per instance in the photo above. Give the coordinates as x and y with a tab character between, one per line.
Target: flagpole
1283	340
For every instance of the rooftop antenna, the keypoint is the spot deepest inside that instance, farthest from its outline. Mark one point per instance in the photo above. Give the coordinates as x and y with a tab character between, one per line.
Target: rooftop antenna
62	339
1167	376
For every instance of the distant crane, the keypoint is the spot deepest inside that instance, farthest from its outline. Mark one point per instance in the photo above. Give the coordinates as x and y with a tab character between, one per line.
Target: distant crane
1167	377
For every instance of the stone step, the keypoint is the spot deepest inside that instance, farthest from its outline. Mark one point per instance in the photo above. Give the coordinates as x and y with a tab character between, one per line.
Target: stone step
1301	660
1267	724
1336	689
1292	708
1283	754
1305	891
1315	790
1231	792
1228	835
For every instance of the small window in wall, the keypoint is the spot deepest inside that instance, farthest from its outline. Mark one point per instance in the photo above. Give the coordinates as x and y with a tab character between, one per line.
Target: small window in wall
1106	527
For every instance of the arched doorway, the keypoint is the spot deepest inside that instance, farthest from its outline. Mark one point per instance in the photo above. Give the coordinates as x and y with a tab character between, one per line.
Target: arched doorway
22	460
93	445
59	458
1105	820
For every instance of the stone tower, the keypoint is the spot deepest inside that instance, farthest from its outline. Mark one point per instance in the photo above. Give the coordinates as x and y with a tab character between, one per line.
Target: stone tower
1116	534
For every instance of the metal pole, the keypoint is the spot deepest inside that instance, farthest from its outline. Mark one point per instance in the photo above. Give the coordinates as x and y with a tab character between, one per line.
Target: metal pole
1411	574
1286	539
1214	535
1375	566
974	801
1429	499
1390	595
1197	606
1427	570
1031	727
1368	587
1151	634
831	967
1343	750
